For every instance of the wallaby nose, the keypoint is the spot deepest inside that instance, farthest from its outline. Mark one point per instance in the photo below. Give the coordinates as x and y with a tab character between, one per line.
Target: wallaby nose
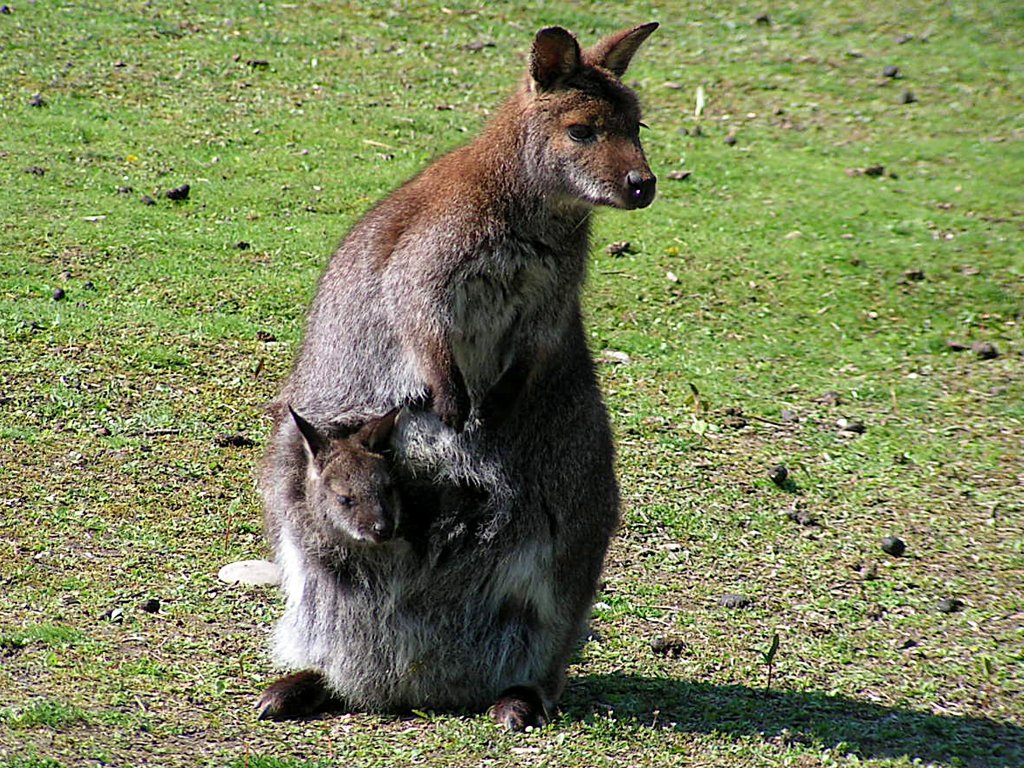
641	188
383	529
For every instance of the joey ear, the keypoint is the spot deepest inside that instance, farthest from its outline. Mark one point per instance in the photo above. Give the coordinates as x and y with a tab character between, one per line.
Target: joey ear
616	51
555	55
376	434
315	442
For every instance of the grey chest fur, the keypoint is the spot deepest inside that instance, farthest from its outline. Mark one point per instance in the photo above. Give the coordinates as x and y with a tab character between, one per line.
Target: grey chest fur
501	304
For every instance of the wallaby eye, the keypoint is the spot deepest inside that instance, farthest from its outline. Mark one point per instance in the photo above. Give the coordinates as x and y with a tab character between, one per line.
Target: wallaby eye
581	132
345	501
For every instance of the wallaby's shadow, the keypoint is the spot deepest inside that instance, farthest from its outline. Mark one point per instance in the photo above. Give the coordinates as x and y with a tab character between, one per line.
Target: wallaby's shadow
809	717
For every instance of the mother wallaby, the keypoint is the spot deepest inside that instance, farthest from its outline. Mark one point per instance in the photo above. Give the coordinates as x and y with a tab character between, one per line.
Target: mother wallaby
458	297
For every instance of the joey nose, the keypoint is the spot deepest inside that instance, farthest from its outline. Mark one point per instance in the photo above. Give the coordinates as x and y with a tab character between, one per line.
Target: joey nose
640	187
383	530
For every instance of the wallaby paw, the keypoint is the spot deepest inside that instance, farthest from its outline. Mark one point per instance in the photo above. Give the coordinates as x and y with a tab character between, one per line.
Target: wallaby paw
453	410
293	696
520	707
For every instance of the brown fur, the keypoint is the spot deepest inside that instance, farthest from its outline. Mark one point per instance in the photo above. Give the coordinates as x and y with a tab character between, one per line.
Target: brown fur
461	290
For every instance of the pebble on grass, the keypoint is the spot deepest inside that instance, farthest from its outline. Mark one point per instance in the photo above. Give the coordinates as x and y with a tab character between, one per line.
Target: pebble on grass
732	600
233	441
893	545
672	647
778	474
253	572
59	294
151	606
985	350
950	605
178	193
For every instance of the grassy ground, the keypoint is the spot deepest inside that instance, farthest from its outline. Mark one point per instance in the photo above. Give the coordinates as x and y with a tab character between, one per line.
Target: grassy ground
773	292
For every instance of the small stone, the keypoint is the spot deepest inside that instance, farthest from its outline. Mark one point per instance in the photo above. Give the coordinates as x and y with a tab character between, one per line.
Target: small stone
733	600
763	19
802	516
985	350
851	426
906	643
672	86
830	398
102	432
242	245
253	572
778	475
796	234
37	101
957	346
115	615
950	605
789	417
124	190
233	441
618	248
874	170
147	200
672	647
868	571
734	421
893	545
914	275
58	294
908	97
891	71
904	39
36	170
258	63
178	193
265	336
730	140
151	606
679	175
615	356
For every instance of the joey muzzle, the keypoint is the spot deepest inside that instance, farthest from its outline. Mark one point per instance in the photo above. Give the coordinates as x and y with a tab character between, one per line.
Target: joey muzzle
640	188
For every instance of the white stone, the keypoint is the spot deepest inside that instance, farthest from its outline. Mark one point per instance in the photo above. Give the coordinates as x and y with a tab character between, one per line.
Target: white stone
255	572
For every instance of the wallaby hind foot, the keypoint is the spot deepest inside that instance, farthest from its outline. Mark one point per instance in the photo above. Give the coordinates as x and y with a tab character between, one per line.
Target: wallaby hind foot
293	696
520	707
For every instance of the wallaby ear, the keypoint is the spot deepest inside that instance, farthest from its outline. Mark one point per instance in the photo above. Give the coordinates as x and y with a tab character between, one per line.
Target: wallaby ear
555	55
315	442
616	51
376	434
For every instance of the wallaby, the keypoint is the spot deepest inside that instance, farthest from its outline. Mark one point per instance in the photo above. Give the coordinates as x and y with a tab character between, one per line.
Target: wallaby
350	494
349	499
458	297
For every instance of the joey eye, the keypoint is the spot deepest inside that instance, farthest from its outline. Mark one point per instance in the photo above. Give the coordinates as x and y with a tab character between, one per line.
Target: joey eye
581	132
345	501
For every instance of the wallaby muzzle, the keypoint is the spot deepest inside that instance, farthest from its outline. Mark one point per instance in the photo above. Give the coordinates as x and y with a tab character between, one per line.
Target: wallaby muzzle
640	187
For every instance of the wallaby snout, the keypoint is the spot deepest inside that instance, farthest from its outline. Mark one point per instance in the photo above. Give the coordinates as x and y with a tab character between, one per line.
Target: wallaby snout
640	186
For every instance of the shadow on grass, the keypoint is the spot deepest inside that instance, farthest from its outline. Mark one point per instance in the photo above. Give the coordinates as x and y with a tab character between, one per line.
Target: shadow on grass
790	717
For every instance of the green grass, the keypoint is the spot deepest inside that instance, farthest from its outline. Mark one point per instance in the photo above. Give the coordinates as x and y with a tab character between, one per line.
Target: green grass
767	278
